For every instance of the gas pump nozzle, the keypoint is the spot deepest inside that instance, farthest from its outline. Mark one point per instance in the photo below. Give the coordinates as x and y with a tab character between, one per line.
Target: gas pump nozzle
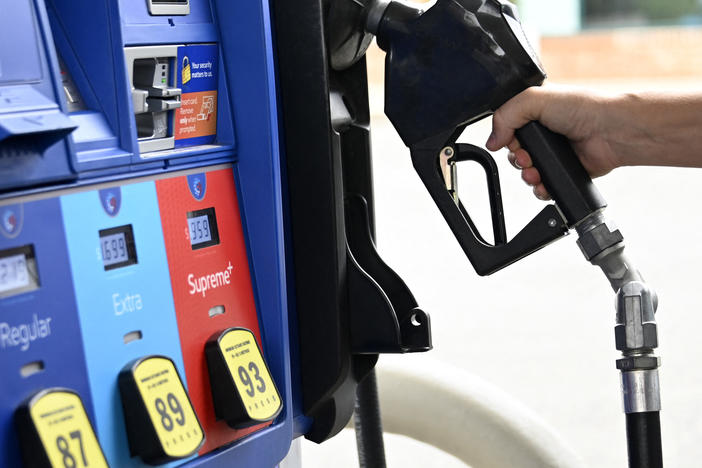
456	63
449	67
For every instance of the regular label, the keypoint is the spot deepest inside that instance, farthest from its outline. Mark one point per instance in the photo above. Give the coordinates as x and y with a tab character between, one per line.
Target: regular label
65	431
250	374
169	407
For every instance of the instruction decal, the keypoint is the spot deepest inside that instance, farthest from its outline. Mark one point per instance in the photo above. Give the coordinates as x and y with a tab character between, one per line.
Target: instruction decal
196	120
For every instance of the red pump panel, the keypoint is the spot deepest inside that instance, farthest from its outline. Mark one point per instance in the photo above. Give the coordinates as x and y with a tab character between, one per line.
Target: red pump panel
210	278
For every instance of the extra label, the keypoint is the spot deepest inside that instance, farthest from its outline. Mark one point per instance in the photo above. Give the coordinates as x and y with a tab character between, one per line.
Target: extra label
65	431
250	374
168	407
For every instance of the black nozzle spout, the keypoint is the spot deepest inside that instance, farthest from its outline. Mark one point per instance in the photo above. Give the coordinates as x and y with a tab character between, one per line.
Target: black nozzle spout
374	15
387	18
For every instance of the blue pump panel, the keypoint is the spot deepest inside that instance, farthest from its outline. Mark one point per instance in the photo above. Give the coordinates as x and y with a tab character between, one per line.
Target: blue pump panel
78	202
140	27
21	63
40	338
33	148
123	293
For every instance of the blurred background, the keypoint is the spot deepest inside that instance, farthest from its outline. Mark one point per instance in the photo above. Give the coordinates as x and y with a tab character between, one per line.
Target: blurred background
542	330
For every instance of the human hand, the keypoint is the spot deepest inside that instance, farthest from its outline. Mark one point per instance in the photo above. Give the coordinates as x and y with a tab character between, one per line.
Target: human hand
578	114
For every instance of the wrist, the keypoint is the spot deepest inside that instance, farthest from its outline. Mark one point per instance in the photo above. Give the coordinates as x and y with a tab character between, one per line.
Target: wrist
625	129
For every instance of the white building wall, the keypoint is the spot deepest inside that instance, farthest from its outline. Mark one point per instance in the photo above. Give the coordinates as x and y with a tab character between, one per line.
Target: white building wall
551	17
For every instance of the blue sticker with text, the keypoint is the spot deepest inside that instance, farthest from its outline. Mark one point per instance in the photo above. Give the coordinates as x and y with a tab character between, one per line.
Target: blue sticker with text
198	66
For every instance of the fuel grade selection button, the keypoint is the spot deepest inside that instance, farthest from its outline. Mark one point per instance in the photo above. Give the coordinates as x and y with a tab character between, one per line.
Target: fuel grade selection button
161	423
54	431
243	390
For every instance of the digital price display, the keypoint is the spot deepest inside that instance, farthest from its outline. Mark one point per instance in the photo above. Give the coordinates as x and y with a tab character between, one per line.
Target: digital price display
117	247
18	271
202	226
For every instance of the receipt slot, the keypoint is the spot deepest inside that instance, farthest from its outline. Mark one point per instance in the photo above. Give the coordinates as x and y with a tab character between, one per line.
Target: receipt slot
169	7
40	338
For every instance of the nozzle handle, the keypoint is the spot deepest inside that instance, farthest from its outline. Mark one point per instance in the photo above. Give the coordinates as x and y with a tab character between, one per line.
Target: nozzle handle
544	228
563	175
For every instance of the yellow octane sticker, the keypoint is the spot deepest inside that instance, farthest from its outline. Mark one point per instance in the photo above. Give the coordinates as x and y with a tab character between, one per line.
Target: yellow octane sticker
65	431
253	381
169	407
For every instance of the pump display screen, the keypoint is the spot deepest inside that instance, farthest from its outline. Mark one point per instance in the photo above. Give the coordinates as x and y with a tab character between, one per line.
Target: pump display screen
18	271
202	225
117	247
177	2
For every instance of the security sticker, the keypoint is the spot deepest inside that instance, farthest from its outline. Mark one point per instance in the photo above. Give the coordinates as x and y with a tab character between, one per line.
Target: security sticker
239	374
196	119
55	431
161	422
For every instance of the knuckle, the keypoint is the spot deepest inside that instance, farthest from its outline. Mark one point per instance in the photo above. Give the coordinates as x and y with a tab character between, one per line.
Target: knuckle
498	117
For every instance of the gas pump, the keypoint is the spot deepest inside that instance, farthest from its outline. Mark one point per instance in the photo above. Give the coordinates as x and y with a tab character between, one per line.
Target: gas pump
177	288
143	294
188	272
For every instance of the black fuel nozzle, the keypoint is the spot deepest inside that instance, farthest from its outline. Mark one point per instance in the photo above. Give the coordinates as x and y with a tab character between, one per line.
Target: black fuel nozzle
450	66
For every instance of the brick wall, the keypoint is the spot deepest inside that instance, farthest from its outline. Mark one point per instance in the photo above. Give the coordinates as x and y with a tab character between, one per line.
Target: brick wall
625	53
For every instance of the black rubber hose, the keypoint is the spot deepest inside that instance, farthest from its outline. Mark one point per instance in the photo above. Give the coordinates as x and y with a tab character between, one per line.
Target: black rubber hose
643	433
368	425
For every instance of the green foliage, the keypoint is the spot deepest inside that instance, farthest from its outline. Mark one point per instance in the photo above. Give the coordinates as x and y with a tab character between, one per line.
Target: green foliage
608	7
668	9
652	9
